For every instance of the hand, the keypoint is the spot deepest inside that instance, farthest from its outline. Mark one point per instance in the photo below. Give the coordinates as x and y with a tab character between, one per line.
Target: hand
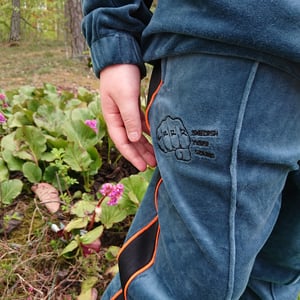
119	92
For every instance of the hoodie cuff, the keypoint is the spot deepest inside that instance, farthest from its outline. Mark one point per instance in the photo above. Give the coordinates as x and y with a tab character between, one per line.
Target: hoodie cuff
116	49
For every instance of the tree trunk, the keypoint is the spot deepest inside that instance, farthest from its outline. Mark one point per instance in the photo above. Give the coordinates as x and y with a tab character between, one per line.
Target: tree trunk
74	17
15	34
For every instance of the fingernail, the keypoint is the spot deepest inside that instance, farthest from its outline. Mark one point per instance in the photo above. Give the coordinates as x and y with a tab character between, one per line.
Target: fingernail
133	136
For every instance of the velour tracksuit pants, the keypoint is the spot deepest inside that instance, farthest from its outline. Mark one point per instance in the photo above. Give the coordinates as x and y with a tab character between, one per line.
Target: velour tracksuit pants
221	217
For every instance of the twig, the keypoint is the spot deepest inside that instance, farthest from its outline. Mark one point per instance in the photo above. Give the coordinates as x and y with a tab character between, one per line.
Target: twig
30	286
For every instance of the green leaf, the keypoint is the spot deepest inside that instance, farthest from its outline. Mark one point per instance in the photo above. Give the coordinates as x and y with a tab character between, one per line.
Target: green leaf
70	247
112	214
10	190
76	224
4	174
13	163
8	146
86	289
135	187
92	235
50	118
32	172
112	253
83	208
20	119
79	133
96	161
51	176
31	143
77	158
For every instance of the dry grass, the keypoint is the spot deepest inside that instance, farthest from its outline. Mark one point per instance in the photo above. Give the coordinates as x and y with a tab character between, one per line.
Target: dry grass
35	63
30	265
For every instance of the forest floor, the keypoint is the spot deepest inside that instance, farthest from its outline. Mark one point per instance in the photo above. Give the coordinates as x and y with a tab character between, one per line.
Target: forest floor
35	63
29	265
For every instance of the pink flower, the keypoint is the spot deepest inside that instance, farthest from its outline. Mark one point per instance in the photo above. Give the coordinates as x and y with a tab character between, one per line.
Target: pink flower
114	192
2	97
92	124
2	118
106	189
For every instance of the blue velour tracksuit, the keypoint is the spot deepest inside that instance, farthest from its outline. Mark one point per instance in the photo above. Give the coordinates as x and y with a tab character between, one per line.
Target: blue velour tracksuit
221	217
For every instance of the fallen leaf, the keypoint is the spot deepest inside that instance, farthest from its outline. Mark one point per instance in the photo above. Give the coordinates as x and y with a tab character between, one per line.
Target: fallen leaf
88	249
48	195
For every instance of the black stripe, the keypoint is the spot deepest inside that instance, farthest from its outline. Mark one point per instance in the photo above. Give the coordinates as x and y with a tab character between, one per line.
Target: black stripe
137	254
148	3
155	80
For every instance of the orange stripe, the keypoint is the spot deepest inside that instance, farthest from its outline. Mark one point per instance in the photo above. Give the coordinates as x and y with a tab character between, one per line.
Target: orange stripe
148	225
116	295
136	235
156	193
151	262
144	268
150	103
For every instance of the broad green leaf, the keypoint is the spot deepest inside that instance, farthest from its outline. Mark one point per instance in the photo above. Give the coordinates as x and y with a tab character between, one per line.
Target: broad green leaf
8	146
8	142
76	131
56	142
112	214
47	156
9	190
50	118
81	114
26	90
20	119
13	163
83	208
92	235
76	224
72	103
77	158
31	143
85	95
135	187
69	248
96	161
4	174
94	107
32	172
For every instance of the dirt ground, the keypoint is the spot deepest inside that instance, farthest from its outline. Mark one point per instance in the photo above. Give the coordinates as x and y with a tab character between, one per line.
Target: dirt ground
35	63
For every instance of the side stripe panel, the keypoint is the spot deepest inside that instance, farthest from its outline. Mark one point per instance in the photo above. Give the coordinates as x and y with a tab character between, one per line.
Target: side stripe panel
139	252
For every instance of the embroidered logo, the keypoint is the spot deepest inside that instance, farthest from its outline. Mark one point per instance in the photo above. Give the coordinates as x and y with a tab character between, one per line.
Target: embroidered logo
172	136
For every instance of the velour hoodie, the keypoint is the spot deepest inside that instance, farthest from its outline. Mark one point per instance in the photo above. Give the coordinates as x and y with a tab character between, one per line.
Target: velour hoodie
126	31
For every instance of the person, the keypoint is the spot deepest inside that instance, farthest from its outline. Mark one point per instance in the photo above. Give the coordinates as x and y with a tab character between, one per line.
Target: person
221	216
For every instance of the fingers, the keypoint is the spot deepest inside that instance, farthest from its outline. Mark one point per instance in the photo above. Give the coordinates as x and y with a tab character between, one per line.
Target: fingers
119	91
139	153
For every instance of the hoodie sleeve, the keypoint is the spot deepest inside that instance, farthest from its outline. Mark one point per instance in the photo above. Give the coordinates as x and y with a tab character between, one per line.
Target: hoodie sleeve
113	29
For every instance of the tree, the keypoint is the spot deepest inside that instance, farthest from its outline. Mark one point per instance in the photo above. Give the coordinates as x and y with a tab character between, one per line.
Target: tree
73	12
15	34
